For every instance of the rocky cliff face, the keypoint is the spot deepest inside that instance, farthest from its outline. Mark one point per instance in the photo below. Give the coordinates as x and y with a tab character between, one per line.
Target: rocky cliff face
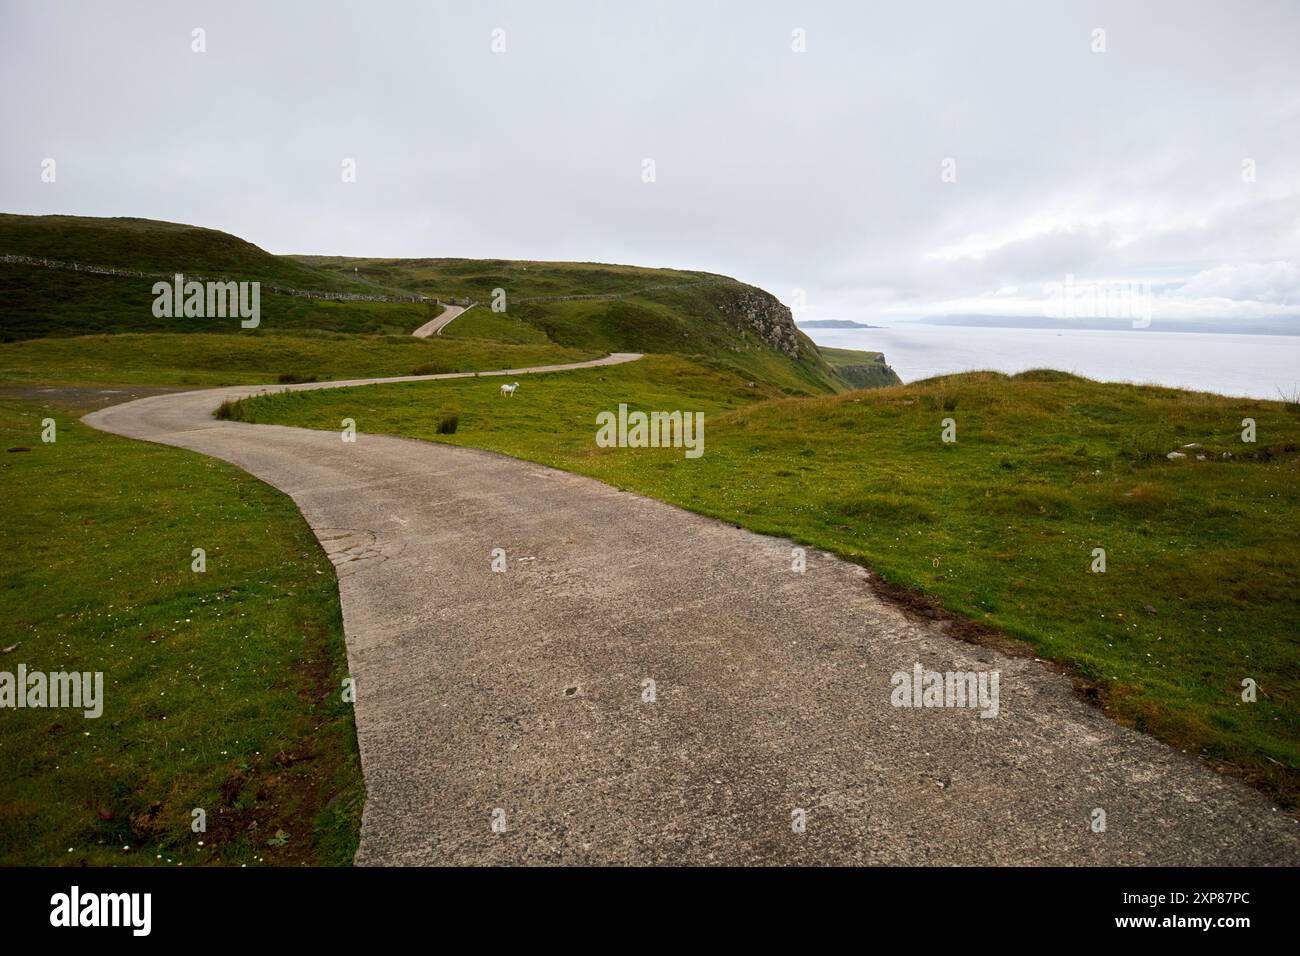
875	374
758	311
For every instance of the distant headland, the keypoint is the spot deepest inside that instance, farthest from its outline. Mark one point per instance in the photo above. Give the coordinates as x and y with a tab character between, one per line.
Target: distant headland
834	324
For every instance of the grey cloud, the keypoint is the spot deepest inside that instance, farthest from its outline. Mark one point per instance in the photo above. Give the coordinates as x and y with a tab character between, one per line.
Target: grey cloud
817	171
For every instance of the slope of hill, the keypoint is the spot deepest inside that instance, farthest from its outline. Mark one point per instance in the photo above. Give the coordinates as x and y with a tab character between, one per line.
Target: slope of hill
165	247
716	321
36	301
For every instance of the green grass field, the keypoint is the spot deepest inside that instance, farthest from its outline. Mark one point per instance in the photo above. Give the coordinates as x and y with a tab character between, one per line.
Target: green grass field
221	688
558	418
1202	556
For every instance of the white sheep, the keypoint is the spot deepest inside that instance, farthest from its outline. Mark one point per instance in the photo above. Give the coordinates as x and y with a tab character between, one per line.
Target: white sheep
509	389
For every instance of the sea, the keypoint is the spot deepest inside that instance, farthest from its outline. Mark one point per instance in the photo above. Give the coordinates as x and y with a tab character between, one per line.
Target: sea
1250	366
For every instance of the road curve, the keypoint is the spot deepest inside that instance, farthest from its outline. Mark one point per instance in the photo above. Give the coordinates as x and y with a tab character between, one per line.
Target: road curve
435	326
507	717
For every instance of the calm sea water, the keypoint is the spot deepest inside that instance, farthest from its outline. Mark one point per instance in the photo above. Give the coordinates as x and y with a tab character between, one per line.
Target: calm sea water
1255	366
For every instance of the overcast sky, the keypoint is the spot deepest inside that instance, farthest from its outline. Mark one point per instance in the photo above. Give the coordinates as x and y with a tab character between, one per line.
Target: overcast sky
820	171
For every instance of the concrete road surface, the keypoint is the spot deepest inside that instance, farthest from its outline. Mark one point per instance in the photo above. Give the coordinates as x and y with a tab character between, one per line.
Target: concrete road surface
644	685
435	326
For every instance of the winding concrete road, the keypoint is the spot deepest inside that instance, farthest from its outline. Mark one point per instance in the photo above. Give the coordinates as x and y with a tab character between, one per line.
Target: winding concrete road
507	717
435	326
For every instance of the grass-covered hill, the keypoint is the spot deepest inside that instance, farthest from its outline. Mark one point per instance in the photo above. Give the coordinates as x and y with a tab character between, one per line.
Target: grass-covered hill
714	320
153	246
36	301
590	307
476	278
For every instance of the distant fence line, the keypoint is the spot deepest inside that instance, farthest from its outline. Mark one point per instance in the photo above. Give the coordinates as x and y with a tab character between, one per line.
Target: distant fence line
283	290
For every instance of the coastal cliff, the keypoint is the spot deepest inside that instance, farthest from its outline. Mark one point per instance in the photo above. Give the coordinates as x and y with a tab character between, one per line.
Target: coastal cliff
860	369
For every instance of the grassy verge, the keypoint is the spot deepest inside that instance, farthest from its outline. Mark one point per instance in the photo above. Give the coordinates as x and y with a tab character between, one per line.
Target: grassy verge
555	425
221	688
1202	556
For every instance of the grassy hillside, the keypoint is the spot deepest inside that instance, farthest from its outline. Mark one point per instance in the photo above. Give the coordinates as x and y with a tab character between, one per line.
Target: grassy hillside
476	278
39	302
43	302
153	246
1202	556
697	315
714	320
220	688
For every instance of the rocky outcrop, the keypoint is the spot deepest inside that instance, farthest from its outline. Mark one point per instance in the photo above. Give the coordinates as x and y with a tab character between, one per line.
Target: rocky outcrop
762	313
